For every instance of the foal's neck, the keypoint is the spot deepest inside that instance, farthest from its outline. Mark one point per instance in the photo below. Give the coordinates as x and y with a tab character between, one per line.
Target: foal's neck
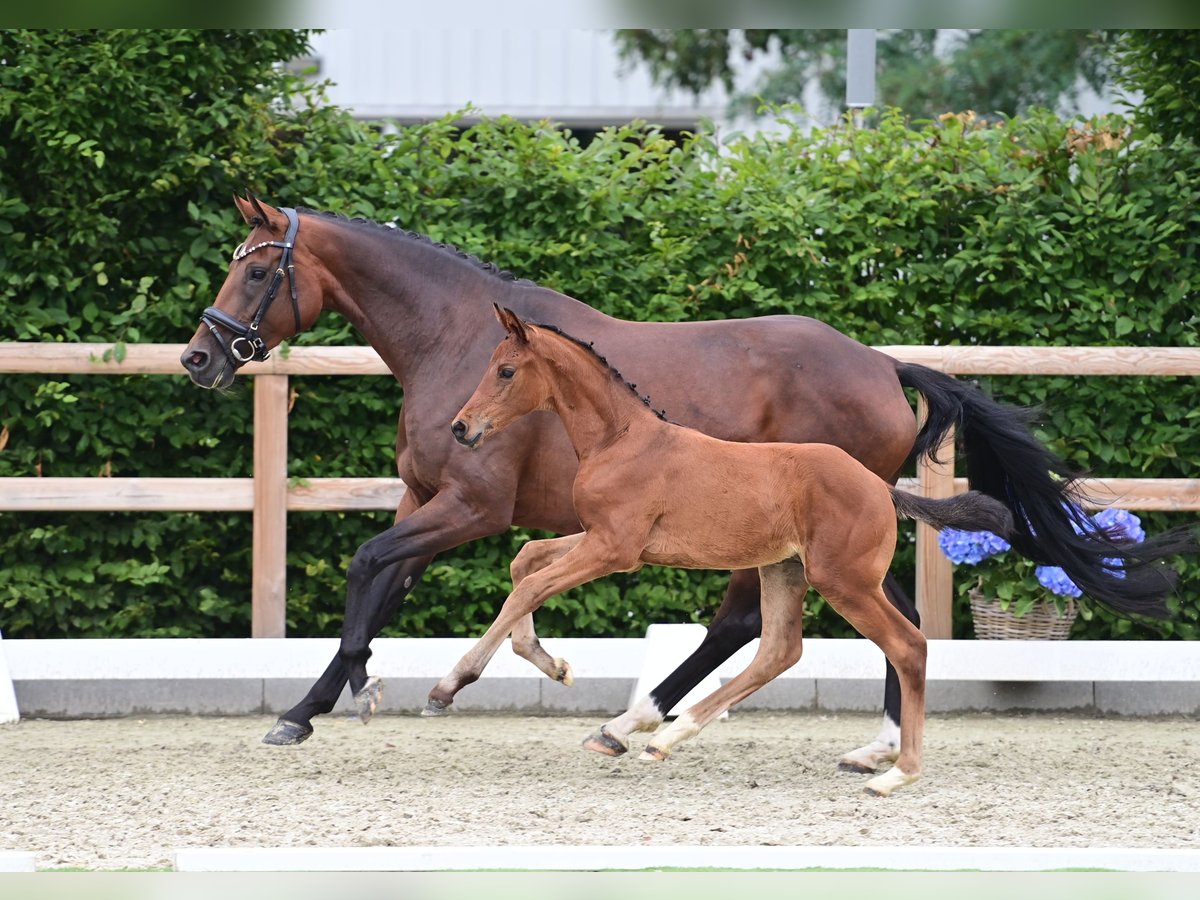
597	408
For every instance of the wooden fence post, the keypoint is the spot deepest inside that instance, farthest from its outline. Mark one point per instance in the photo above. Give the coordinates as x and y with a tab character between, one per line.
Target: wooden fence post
935	574
269	591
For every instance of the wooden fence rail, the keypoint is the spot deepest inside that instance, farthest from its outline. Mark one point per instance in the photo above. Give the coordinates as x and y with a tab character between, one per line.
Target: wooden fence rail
270	498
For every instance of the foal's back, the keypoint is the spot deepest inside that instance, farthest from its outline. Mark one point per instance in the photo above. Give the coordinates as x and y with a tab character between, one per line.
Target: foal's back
718	504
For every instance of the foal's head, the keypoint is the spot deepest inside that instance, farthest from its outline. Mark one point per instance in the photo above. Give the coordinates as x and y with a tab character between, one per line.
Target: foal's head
516	382
270	294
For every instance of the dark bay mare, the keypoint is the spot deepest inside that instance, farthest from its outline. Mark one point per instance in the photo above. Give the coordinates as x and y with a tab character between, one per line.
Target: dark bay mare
428	311
650	492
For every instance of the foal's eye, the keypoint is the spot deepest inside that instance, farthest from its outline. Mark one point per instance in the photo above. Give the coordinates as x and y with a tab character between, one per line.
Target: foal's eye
507	372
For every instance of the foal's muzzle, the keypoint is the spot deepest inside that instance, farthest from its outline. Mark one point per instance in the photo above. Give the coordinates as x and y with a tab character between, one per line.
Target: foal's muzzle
459	429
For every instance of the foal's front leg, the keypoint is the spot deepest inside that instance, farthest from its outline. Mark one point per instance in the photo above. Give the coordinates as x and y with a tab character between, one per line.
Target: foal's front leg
532	557
591	558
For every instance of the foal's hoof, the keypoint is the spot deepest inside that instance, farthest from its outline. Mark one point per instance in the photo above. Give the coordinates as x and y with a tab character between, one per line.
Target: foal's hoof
435	708
285	733
883	785
563	673
654	754
367	700
603	742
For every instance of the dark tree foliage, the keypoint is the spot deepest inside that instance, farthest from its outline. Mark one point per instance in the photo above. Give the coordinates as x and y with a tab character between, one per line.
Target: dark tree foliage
1161	70
999	72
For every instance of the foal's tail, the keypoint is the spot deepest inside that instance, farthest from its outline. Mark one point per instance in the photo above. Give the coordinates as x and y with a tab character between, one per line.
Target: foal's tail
972	511
1006	462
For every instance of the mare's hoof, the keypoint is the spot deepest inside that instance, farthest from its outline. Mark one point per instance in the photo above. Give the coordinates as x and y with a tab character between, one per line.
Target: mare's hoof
605	743
435	708
285	733
654	754
367	700
563	672
846	764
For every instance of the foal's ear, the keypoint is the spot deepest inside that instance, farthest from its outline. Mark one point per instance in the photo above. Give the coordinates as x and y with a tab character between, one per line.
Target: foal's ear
512	323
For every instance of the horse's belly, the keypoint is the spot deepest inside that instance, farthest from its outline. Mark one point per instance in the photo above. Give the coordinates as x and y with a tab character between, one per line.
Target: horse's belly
682	553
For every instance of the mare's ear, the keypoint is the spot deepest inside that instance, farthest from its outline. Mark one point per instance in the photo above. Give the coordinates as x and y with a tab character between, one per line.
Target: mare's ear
512	323
256	213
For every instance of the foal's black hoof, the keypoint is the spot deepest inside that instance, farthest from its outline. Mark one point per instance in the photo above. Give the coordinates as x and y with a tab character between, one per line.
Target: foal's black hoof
286	733
435	708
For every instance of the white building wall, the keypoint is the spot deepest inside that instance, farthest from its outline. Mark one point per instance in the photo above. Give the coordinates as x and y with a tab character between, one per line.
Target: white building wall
572	76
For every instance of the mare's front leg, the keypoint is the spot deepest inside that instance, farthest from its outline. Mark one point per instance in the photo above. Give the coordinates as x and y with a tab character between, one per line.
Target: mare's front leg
736	623
591	558
532	557
382	573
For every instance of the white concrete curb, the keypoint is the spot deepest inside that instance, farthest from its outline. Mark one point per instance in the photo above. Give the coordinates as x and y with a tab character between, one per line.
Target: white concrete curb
196	658
16	861
8	696
599	858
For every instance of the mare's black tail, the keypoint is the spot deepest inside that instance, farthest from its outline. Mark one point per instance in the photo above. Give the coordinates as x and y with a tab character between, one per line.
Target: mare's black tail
1005	461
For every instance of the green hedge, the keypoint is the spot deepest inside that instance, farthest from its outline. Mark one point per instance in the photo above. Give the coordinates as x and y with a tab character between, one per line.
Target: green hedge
1034	232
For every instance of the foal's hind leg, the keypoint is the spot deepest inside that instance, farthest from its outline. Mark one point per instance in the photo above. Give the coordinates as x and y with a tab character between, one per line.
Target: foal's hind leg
886	746
783	590
736	623
869	611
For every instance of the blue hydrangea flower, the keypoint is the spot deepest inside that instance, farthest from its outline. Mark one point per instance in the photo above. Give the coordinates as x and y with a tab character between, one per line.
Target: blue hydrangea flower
1120	525
970	547
1054	579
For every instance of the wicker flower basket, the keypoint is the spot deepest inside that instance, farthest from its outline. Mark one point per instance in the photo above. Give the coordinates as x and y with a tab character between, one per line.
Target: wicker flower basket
1042	623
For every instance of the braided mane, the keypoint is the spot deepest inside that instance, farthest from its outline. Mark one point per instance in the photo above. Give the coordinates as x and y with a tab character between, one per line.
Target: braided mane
403	234
604	362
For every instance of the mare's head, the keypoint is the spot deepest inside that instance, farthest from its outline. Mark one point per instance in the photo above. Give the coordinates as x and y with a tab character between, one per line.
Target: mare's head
270	294
514	383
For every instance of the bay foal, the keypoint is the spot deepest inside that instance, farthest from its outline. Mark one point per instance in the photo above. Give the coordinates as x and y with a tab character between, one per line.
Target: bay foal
652	492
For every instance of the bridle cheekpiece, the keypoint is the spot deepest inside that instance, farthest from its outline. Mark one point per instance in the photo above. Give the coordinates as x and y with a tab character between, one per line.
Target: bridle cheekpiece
248	344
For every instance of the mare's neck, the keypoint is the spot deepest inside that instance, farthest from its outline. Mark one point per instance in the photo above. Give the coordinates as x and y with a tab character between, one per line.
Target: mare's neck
420	307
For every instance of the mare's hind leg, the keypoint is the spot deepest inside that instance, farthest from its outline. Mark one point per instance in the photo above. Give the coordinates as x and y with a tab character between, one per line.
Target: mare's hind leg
737	622
886	746
532	557
783	589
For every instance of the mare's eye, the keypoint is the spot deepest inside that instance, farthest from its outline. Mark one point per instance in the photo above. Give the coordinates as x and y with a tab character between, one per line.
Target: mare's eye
507	372
258	274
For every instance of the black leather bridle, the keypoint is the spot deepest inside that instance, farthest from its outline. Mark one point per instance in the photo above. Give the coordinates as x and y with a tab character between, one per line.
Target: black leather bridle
247	343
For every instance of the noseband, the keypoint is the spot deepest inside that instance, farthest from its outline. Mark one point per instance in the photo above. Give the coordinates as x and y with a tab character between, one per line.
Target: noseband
247	343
